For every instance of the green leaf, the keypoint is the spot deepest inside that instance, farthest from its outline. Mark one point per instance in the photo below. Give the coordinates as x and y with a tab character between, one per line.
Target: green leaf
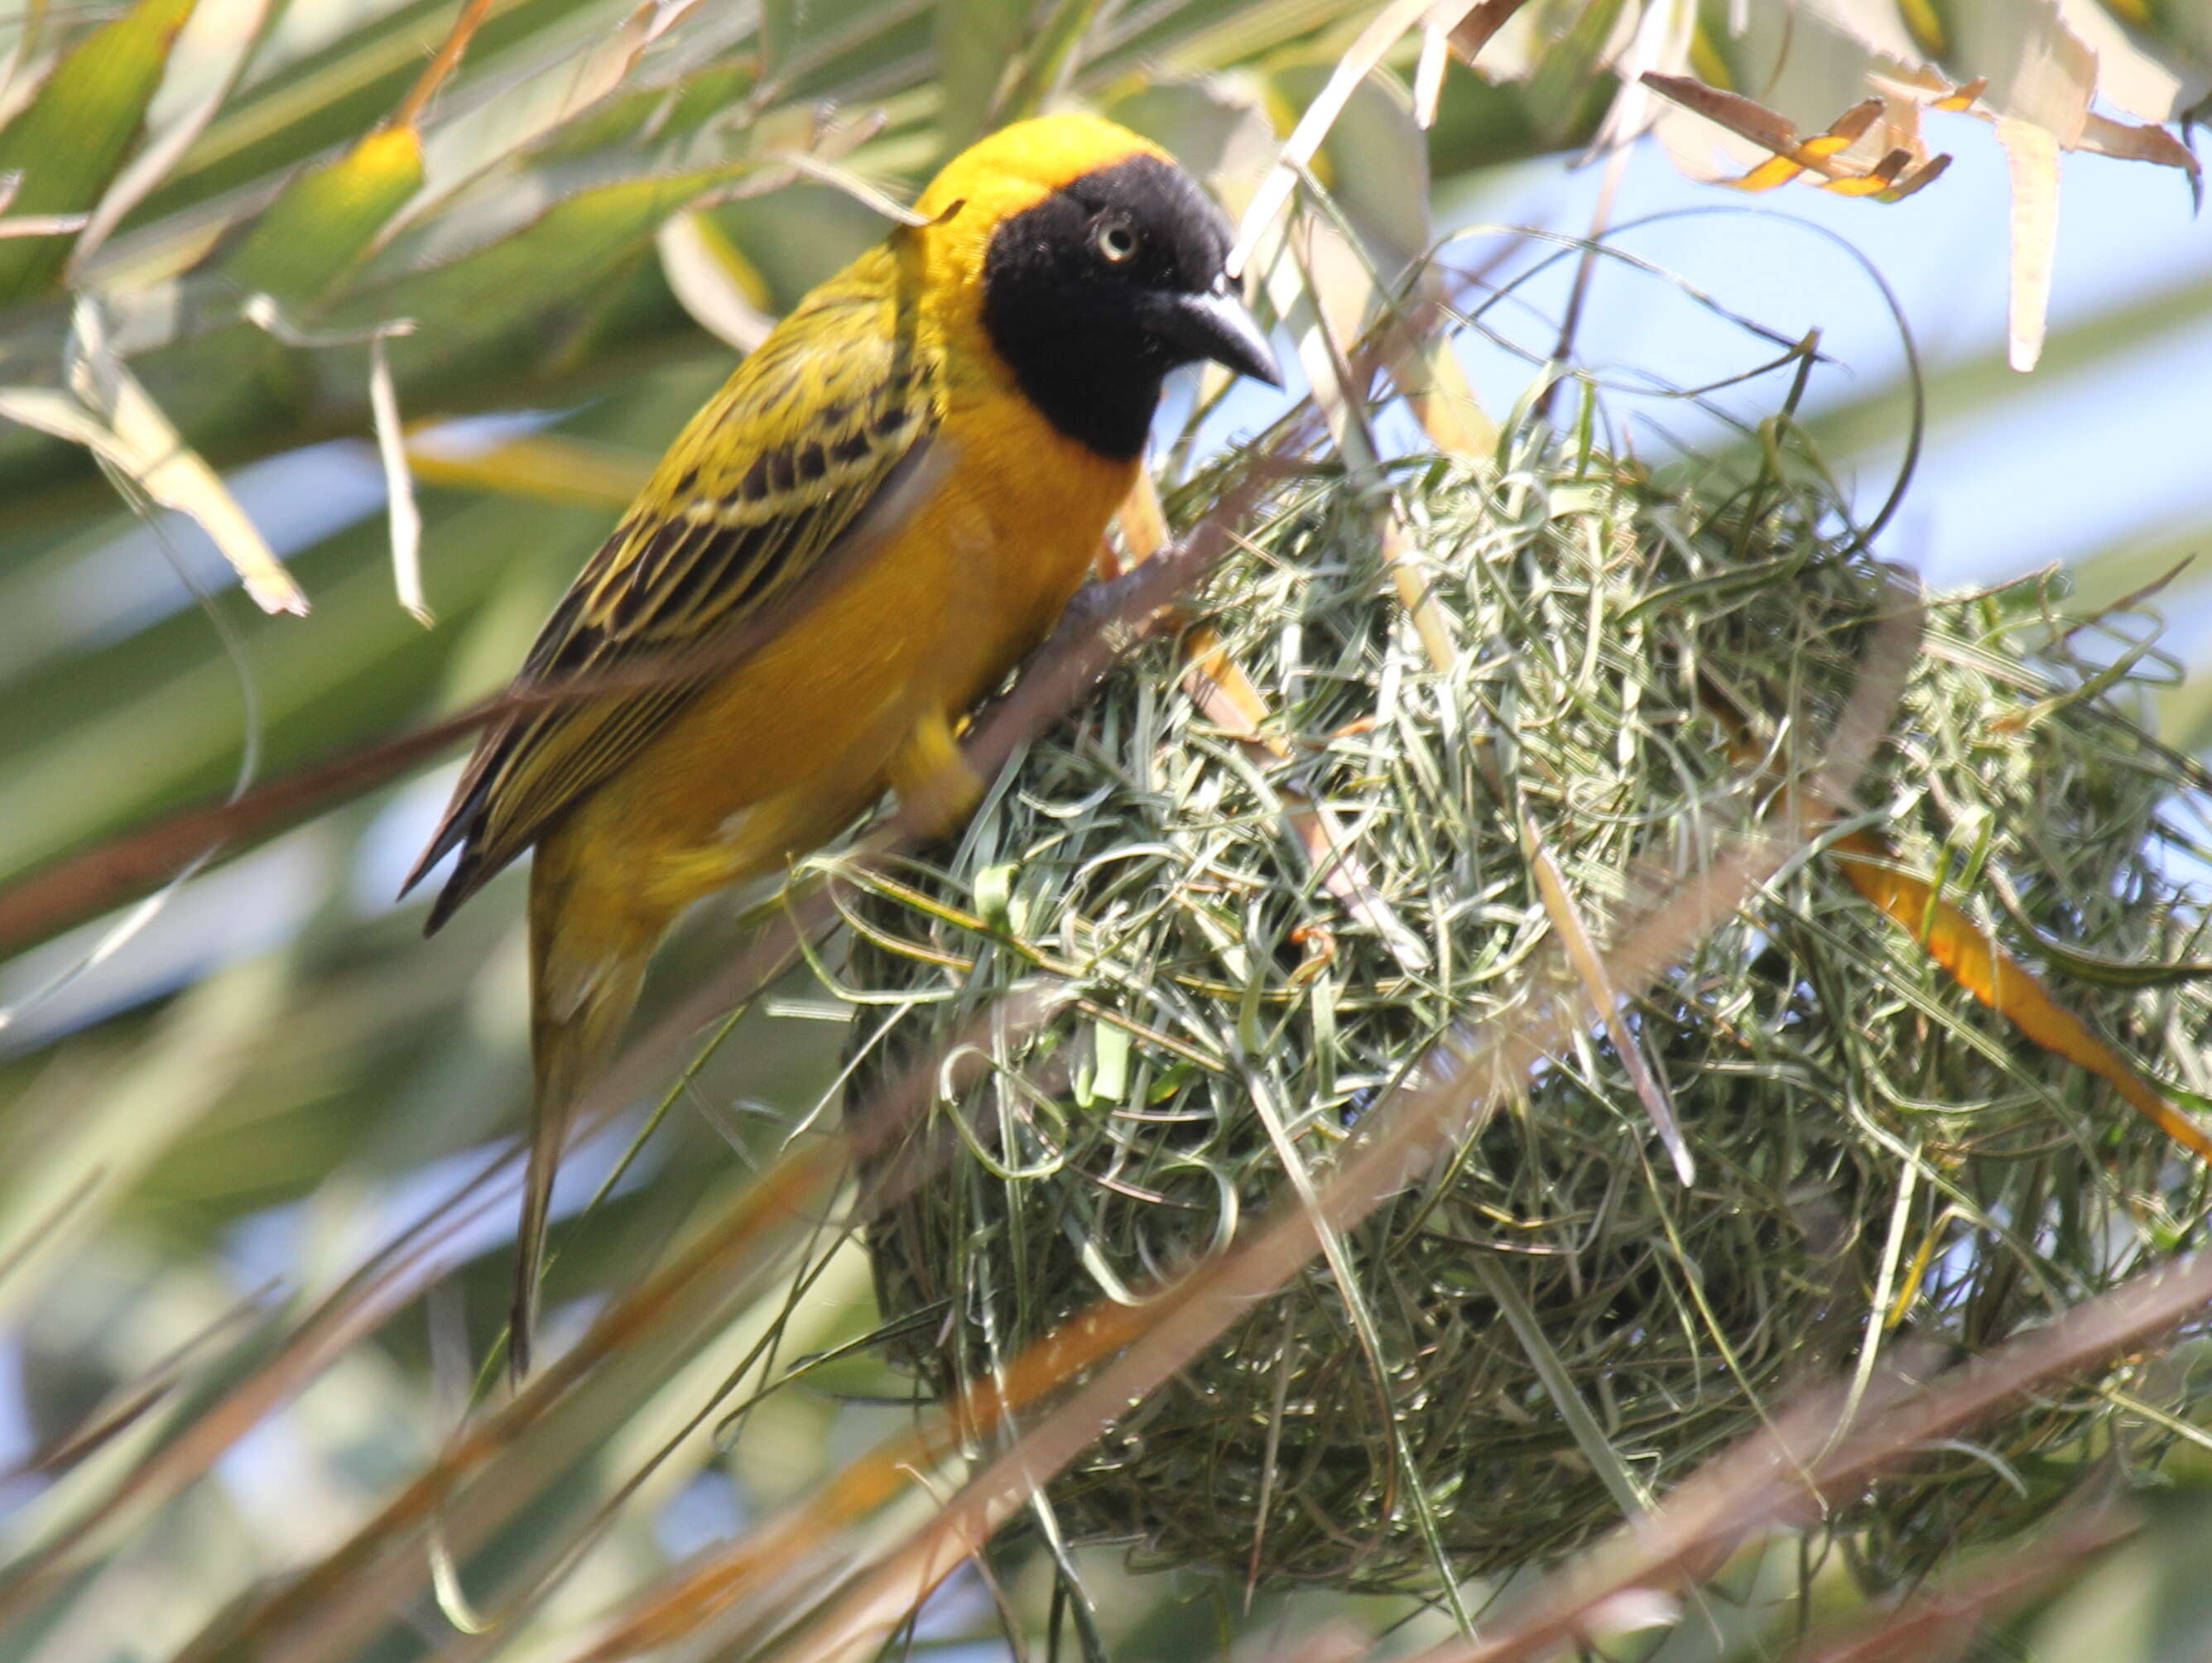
556	261
778	29
976	40
353	664
311	95
1051	55
1570	64
1217	128
84	1172
2145	1603
74	136
326	218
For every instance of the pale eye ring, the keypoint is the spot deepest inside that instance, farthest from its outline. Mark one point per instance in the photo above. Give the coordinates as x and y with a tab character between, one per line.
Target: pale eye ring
1115	240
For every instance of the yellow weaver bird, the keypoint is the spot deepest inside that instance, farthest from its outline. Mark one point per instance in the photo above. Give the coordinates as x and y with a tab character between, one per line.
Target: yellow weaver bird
881	511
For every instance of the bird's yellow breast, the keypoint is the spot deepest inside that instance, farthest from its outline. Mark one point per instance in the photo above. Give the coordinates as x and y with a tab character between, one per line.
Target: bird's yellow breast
773	759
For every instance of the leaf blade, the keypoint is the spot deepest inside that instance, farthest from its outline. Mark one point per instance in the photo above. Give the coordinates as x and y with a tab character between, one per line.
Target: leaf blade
71	141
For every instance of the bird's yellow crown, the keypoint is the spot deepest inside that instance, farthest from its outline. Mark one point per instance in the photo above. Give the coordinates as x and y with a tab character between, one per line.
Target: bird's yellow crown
1018	166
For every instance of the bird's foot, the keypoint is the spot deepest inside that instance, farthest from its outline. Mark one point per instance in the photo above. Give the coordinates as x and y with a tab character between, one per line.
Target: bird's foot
937	789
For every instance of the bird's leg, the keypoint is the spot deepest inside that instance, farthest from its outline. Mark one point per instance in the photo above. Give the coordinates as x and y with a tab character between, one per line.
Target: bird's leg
937	789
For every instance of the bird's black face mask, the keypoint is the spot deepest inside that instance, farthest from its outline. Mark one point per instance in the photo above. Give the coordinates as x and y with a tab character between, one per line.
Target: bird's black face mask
1095	294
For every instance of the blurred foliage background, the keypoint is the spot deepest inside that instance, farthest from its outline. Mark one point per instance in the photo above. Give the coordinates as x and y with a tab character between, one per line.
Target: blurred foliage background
334	334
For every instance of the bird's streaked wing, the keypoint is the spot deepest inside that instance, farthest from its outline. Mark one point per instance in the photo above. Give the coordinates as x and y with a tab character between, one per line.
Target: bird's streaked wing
799	457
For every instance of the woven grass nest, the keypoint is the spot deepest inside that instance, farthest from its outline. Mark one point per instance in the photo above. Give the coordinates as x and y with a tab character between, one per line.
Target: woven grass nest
1867	1136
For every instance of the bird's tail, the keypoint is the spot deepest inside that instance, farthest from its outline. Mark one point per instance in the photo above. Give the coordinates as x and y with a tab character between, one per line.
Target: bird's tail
587	965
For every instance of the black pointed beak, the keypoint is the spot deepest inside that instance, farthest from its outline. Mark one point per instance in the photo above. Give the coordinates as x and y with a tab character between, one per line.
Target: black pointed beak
1216	325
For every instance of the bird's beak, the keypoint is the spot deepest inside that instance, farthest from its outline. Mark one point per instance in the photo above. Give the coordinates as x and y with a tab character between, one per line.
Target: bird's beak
1216	326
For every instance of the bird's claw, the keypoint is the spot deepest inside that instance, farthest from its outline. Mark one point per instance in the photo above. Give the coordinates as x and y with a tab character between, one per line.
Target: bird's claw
937	789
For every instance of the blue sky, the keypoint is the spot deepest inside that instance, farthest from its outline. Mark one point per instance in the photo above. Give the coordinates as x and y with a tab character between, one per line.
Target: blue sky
2057	472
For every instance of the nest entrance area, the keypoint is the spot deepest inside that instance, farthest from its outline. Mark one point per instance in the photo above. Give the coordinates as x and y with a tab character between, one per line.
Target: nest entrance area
1552	1323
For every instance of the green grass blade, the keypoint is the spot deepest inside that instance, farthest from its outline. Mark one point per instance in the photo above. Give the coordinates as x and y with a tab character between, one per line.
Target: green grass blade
325	218
75	135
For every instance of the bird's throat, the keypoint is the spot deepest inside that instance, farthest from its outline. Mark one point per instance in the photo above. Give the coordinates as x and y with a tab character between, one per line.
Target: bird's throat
1105	407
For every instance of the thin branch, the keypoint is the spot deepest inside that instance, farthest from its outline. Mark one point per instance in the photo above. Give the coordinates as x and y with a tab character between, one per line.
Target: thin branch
443	64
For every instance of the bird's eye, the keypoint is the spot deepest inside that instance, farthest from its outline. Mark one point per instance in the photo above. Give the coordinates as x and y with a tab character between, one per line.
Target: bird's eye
1114	240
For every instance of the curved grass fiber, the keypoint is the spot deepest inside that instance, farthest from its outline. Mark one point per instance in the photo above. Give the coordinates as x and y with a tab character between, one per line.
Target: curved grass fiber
1553	1327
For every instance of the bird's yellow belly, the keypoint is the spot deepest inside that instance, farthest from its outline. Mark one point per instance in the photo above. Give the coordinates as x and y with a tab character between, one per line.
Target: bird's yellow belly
771	761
